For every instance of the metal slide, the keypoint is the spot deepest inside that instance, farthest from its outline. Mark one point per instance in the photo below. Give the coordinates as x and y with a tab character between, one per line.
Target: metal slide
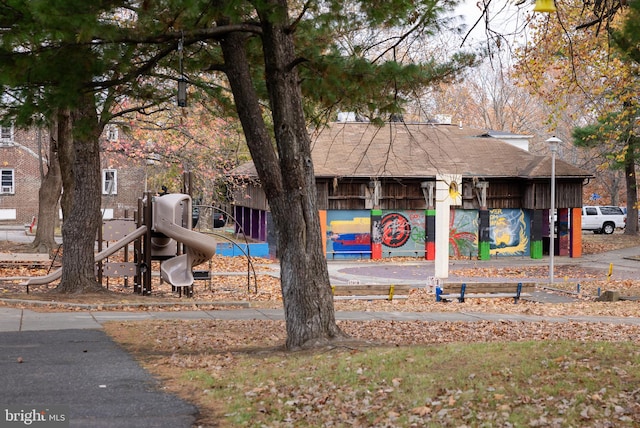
125	240
177	270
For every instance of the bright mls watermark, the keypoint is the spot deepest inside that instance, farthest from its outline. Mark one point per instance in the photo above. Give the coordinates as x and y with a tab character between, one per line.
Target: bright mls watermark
34	416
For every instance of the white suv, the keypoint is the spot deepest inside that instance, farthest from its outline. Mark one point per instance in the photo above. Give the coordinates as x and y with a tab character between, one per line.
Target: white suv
603	219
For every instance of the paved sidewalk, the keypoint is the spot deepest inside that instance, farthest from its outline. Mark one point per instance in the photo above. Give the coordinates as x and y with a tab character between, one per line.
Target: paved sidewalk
86	375
22	320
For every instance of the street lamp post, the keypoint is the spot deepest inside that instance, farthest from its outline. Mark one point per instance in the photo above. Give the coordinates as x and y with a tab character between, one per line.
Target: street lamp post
553	146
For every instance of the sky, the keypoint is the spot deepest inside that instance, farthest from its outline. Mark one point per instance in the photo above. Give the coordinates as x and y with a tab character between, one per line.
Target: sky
504	18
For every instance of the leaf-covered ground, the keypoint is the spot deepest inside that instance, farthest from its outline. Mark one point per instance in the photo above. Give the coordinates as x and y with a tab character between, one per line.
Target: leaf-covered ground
194	358
234	281
397	374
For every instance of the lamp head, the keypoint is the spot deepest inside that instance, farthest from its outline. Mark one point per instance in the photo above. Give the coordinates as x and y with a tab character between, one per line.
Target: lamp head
553	143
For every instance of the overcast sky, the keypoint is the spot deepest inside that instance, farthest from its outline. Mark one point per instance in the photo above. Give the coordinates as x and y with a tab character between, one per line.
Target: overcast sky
504	17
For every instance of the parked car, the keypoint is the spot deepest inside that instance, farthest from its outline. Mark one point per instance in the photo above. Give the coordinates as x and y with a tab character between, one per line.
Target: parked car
624	210
219	220
603	219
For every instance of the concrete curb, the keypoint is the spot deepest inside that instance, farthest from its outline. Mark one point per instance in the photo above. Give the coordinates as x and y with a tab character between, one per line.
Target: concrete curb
98	306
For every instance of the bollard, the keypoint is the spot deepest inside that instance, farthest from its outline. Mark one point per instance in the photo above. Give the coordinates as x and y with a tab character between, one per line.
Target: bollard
438	293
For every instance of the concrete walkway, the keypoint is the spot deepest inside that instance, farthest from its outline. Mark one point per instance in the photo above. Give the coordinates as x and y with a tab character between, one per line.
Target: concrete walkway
23	320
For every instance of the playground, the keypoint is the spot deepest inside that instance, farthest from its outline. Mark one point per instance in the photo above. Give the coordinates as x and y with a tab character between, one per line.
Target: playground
156	252
239	281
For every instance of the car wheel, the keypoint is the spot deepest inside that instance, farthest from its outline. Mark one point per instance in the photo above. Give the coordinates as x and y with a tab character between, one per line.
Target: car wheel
608	228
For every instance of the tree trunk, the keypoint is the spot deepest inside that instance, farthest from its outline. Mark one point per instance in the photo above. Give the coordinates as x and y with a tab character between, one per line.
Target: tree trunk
80	164
632	188
288	180
48	196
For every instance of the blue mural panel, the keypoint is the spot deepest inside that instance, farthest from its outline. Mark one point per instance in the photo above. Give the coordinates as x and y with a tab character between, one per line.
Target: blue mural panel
510	231
348	234
235	249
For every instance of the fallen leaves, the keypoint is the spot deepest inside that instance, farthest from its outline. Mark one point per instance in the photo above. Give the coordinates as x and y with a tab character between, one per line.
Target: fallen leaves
288	385
255	282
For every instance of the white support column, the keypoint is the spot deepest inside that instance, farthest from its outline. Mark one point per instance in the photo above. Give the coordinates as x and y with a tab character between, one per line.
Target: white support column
448	187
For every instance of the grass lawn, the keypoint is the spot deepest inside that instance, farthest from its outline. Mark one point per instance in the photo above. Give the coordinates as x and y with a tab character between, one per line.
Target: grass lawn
238	375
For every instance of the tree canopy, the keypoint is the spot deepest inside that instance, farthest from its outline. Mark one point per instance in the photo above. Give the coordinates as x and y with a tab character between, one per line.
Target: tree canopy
274	64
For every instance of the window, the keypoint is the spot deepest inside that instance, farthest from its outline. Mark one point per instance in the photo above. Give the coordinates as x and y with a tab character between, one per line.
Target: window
109	182
611	211
112	133
7	181
6	135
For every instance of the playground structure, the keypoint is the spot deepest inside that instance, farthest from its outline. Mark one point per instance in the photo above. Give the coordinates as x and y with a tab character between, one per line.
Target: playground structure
161	231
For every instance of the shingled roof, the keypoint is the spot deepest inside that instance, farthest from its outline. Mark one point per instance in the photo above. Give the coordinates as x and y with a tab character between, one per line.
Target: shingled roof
355	149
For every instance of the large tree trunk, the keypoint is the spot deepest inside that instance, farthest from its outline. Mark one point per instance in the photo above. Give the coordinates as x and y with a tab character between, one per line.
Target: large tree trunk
48	196
80	164
288	180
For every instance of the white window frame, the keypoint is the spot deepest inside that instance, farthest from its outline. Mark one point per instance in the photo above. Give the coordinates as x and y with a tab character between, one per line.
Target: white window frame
9	189
106	173
112	133
6	135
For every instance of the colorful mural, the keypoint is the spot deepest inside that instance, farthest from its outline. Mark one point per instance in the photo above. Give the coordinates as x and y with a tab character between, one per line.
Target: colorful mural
463	233
509	232
403	233
349	233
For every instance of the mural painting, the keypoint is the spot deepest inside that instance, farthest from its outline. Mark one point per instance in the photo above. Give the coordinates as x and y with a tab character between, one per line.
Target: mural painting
509	232
348	234
463	233
403	233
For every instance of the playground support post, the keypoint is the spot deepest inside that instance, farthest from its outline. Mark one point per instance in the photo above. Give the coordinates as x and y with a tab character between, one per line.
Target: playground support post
146	264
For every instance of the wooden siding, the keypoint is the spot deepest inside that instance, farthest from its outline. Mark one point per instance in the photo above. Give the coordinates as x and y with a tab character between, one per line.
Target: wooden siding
505	194
356	194
251	196
538	194
348	195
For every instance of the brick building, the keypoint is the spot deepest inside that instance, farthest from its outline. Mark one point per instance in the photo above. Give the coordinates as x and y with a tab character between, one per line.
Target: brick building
23	154
20	173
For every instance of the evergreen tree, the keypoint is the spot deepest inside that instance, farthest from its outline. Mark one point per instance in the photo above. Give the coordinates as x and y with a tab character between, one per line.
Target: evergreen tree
60	62
293	57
